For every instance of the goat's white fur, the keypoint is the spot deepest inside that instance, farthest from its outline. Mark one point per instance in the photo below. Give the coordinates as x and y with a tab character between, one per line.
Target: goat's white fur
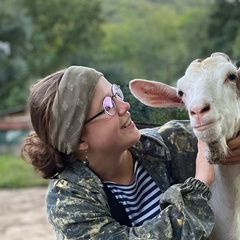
210	93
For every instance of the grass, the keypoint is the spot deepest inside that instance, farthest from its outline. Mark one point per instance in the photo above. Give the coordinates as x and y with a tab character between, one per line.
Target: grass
15	173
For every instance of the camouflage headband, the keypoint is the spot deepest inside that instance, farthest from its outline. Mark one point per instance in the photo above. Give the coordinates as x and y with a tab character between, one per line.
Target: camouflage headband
70	107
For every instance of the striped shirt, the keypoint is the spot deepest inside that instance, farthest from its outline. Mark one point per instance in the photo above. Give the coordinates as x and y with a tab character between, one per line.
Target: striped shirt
140	198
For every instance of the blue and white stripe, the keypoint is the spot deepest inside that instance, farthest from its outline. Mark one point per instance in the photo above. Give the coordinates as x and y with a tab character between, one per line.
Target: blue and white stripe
140	198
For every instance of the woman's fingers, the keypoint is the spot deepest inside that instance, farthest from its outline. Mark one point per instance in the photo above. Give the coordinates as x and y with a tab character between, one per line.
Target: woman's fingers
234	143
233	156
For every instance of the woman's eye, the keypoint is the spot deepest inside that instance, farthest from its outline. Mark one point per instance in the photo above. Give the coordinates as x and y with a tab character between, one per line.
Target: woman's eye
180	93
107	108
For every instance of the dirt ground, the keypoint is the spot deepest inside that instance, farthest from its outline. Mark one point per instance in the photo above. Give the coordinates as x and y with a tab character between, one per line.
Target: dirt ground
23	215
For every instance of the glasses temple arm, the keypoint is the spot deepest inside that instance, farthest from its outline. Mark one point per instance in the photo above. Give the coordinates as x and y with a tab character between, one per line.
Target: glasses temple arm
93	117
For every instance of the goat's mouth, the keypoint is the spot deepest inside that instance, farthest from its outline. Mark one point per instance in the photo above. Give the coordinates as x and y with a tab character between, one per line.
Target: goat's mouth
203	127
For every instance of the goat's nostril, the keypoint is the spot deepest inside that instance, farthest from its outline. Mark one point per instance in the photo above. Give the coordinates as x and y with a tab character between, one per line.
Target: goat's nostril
205	109
192	112
200	109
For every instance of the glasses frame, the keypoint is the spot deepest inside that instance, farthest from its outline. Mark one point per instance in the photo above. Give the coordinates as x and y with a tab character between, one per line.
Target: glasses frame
115	94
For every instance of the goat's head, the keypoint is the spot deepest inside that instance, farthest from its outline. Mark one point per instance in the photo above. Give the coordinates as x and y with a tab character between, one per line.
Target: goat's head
210	91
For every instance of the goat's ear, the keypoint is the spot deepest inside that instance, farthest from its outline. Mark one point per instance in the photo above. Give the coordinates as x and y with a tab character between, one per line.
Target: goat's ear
155	94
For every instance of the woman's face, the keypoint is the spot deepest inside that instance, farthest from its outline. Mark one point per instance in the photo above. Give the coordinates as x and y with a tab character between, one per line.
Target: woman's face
109	133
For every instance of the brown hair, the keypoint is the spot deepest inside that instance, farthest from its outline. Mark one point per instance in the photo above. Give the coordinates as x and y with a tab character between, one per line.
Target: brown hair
36	148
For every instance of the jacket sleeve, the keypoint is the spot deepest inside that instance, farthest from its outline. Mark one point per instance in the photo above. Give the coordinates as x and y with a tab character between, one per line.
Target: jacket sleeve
82	213
182	145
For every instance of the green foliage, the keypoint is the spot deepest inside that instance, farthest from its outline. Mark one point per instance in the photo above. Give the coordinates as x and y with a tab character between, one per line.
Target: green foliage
14	37
15	173
144	41
44	36
194	27
152	39
62	31
155	41
224	26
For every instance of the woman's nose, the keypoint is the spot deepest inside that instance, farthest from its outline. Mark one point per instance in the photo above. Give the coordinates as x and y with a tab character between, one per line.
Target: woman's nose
122	106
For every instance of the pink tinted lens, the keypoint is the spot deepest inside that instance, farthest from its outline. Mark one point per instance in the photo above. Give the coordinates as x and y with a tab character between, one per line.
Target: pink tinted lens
109	106
117	91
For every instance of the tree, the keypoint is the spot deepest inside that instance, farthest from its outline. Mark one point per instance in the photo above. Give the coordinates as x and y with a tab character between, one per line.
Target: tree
144	41
44	36
152	40
15	34
224	26
64	33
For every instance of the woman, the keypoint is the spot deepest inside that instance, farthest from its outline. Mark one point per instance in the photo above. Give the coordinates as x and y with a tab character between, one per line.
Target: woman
107	177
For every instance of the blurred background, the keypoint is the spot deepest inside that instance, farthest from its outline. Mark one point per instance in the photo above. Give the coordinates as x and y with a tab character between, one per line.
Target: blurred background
151	39
124	39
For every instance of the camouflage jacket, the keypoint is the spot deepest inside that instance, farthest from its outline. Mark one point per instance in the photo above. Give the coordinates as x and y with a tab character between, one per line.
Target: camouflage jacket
78	207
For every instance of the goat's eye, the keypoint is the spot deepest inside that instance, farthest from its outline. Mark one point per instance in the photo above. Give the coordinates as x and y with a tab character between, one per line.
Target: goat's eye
180	93
232	76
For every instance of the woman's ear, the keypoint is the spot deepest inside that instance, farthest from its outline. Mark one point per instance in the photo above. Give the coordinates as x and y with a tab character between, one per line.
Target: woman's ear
82	145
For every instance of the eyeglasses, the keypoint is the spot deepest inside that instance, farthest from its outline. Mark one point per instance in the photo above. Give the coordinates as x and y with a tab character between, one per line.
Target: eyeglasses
109	106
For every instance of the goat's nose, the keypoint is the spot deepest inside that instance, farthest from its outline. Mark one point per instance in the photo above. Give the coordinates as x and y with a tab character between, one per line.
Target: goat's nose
199	109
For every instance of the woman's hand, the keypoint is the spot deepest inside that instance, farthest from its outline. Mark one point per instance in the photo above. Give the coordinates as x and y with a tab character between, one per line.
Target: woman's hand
234	154
204	170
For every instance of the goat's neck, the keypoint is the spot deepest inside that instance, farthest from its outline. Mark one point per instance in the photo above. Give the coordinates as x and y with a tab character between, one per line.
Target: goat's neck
225	201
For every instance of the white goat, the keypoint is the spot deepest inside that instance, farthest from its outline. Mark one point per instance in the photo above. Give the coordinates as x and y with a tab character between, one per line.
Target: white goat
210	91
